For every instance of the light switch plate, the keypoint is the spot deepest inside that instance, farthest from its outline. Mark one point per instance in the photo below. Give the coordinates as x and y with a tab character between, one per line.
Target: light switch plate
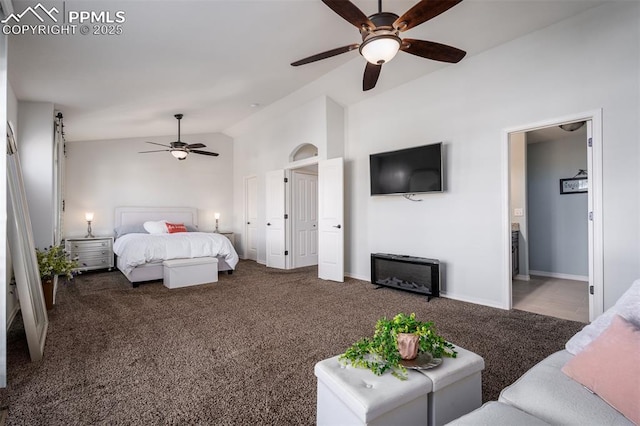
518	212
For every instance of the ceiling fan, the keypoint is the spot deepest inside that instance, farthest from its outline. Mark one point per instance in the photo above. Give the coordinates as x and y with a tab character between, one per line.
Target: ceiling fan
179	149
380	36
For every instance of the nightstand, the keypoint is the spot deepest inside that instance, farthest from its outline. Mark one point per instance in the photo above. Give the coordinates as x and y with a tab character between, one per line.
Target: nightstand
230	236
92	253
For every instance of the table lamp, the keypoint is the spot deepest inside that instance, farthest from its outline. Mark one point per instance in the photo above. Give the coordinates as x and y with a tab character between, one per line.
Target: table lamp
89	217
217	217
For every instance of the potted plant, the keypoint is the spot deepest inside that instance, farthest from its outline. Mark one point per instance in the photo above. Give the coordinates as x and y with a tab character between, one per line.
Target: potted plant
382	353
53	262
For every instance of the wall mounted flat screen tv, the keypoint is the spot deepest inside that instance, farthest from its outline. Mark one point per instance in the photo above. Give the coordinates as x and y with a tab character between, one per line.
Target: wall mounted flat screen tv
407	171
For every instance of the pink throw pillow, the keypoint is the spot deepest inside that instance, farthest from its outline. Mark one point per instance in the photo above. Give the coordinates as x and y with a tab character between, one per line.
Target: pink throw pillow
610	367
175	227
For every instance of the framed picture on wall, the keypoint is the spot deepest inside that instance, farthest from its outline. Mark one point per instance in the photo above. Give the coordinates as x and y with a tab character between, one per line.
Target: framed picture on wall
574	185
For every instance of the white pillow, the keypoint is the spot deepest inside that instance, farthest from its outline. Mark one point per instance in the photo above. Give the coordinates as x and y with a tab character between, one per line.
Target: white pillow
628	307
156	227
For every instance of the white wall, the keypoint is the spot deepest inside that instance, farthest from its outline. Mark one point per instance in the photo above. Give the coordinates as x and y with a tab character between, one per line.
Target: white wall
571	67
12	108
103	175
267	146
534	78
35	147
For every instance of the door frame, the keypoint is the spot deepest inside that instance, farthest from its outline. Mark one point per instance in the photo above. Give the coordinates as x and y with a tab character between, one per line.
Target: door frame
596	249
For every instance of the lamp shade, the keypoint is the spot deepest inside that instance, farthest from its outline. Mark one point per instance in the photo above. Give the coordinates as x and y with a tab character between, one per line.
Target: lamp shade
216	216
88	216
380	48
179	154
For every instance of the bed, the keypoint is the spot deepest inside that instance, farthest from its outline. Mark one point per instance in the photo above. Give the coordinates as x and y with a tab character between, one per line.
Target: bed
140	255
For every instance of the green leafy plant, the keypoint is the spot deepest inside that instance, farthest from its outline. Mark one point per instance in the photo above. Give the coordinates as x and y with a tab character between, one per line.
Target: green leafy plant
380	353
55	261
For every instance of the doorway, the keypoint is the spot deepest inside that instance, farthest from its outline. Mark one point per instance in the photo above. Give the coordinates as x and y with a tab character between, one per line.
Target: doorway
329	221
250	242
303	200
549	252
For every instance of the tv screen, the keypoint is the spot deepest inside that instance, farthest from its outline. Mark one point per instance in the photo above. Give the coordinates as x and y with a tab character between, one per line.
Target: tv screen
407	171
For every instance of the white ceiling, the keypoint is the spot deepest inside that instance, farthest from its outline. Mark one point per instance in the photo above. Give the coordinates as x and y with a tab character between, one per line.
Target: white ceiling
212	59
554	133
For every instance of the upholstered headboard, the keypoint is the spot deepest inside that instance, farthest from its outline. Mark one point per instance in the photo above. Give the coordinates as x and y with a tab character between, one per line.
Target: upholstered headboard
138	215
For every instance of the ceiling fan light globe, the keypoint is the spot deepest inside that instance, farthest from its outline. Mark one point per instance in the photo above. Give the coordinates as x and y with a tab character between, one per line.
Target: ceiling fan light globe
380	49
179	154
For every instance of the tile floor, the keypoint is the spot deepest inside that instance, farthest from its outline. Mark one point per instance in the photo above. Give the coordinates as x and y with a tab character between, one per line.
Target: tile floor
566	299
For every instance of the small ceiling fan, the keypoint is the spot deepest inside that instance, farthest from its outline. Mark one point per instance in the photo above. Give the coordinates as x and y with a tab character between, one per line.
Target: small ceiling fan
380	36
179	149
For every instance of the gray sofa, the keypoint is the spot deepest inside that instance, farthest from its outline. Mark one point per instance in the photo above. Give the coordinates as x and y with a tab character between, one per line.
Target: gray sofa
545	395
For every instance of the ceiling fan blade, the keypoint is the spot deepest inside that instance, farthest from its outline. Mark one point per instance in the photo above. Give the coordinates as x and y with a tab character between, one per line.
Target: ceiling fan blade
371	74
349	12
432	50
161	144
325	55
158	150
422	12
212	154
196	145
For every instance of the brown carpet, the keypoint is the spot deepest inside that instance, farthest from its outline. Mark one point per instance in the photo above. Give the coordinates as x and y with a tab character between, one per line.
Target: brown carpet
239	351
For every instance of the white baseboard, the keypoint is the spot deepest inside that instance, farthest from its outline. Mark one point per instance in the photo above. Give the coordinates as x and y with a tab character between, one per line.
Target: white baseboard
522	277
560	276
357	277
485	302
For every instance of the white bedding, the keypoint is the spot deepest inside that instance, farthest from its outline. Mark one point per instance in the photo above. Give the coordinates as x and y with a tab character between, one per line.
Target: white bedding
138	249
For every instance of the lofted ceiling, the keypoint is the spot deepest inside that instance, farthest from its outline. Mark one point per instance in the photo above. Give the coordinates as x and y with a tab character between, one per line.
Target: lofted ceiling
212	60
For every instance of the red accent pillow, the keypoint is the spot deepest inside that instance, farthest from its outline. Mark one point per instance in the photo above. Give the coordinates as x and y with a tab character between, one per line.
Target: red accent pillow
175	227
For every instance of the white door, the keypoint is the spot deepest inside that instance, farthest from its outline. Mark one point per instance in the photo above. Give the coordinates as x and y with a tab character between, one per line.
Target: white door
275	219
251	216
305	219
331	220
596	301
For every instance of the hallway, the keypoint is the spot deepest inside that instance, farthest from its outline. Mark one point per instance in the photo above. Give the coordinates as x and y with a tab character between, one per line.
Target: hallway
566	299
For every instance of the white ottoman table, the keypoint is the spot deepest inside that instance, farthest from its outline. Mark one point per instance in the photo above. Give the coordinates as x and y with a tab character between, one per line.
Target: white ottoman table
355	396
188	272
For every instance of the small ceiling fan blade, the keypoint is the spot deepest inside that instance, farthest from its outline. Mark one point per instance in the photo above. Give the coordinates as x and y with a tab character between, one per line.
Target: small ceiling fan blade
161	144
432	50
212	154
158	150
196	145
349	12
422	12
371	74
325	55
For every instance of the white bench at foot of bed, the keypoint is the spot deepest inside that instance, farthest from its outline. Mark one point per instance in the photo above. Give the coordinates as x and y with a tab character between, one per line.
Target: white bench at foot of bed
187	272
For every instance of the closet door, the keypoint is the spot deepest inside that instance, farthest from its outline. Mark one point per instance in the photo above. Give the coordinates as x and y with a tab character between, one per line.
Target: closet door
331	220
275	229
